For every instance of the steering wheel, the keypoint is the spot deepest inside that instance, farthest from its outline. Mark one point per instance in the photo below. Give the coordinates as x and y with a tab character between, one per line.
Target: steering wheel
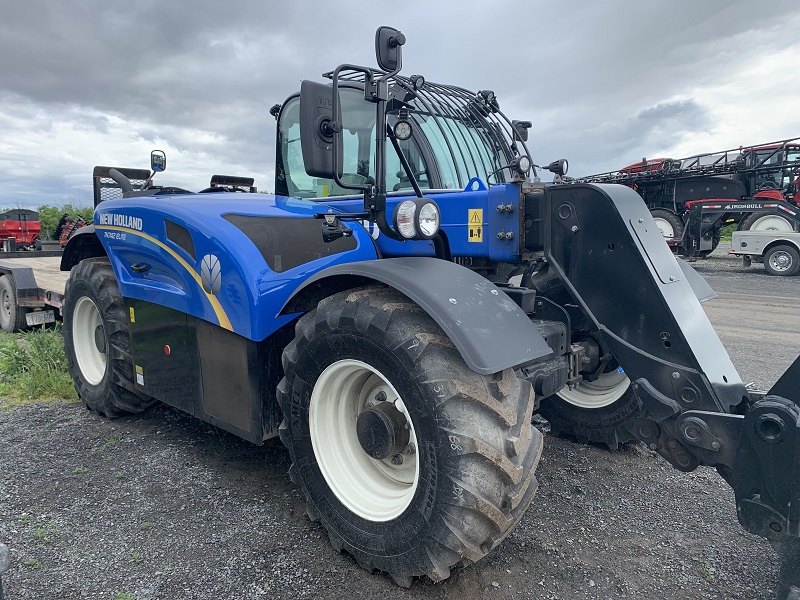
768	185
356	179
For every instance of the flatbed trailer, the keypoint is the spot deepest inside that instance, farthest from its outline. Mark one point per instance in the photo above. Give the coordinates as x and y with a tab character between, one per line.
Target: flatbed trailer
31	290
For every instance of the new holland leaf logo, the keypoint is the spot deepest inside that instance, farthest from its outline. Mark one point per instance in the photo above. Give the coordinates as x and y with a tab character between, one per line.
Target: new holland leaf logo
210	275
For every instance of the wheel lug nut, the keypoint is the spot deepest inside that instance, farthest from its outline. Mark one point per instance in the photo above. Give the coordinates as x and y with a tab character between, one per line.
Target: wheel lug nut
411	449
397	459
380	396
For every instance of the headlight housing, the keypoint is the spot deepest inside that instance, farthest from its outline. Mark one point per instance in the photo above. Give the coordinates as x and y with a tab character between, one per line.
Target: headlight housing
417	219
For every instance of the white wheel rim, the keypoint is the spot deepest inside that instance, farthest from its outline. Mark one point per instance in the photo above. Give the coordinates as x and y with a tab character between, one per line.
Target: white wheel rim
605	390
376	490
665	226
780	261
91	361
771	223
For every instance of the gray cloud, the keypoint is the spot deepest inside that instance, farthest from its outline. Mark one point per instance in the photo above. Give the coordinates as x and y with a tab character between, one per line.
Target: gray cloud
605	83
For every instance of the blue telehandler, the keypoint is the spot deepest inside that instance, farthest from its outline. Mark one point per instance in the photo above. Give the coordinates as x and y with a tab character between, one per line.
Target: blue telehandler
364	313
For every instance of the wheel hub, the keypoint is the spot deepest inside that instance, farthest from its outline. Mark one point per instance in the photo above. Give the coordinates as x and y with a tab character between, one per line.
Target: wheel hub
350	422
100	339
781	261
89	340
381	430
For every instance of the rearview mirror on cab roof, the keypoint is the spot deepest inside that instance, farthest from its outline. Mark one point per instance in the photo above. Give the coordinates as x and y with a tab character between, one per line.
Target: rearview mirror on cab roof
388	49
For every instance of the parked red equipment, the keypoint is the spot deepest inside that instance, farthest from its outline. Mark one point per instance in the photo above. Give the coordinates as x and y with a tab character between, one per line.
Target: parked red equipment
20	224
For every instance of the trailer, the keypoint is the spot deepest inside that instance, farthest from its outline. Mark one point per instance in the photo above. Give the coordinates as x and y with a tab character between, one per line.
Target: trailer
31	290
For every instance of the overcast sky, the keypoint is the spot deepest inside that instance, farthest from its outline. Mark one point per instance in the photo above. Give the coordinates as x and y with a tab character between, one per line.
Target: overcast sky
605	82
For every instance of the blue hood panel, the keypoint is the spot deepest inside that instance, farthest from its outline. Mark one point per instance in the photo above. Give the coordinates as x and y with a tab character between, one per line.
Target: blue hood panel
230	259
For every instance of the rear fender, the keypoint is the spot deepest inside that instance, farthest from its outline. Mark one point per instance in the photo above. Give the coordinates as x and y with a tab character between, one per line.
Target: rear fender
83	244
699	285
489	330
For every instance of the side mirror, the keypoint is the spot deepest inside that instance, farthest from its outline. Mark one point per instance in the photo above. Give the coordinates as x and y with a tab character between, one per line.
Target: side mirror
158	161
317	130
388	49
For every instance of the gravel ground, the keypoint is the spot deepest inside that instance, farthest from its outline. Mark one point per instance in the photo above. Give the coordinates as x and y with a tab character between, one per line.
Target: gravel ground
163	506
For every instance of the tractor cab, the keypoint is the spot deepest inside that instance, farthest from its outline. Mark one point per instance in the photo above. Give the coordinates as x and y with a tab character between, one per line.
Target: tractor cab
447	135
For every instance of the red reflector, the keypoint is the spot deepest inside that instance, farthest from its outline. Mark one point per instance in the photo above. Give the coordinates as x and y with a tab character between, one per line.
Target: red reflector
167	350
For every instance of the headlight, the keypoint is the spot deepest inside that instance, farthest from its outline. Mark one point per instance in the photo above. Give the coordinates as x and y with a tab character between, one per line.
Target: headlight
524	164
417	219
428	220
404	219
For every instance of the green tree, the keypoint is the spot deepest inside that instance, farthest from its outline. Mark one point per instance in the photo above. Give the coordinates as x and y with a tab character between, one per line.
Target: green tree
49	216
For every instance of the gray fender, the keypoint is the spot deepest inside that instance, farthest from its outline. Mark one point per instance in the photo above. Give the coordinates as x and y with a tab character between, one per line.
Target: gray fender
697	282
488	328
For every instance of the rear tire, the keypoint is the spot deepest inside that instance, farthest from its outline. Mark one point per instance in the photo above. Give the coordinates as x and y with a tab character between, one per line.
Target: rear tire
12	316
782	260
97	341
596	412
768	221
470	476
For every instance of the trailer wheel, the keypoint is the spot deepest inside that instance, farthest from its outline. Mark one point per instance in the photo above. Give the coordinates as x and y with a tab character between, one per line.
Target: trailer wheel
595	412
97	342
412	462
769	221
669	223
12	316
782	260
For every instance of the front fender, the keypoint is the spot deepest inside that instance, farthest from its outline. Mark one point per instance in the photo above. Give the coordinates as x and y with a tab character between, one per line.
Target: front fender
489	330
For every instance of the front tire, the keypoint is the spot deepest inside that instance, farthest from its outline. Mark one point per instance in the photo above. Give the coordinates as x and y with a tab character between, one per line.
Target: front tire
670	224
460	471
97	341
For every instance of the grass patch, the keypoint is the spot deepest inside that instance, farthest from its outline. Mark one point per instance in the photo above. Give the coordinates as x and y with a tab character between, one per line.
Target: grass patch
33	367
726	233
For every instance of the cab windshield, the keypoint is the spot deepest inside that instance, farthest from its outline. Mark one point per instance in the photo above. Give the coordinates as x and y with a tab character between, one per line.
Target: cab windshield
453	141
780	178
358	137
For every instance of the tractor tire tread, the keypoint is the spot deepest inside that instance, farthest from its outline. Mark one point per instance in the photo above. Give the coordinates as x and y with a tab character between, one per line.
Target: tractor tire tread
117	399
486	418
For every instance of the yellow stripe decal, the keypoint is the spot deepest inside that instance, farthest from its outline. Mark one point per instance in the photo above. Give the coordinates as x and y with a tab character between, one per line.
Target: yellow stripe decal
213	300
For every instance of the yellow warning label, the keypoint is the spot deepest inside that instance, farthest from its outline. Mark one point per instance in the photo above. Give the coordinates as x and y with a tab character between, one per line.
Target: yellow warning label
133	316
139	370
475	225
